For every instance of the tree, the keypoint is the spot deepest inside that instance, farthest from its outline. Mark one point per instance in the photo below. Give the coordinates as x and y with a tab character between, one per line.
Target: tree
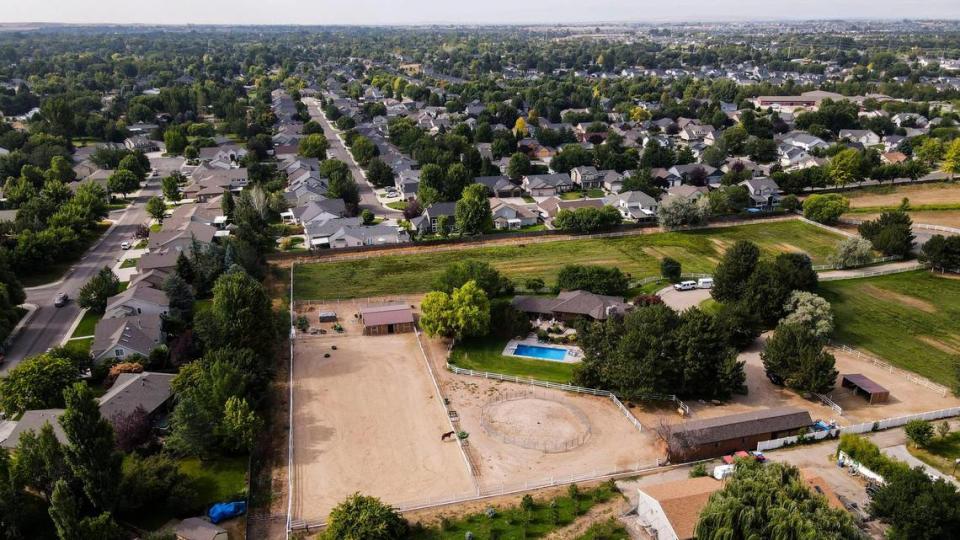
156	208
681	212
39	464
588	219
37	383
90	452
65	513
846	167
240	316
133	164
192	426
771	501
457	274
171	187
670	269
825	208
365	518
811	312
132	429
851	252
519	166
363	150
930	152
379	173
951	159
314	145
942	252
472	214
736	267
891	233
123	181
796	357
916	507
596	279
175	140
94	294
464	313
920	432
240	424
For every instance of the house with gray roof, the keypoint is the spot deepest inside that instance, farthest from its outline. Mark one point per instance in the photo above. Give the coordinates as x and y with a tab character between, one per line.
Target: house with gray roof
569	306
33	421
147	390
140	299
428	221
368	235
123	337
635	205
764	192
499	186
547	185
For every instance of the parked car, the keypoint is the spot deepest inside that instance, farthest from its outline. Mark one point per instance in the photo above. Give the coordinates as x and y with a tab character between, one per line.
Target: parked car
685	286
124	245
705	283
61	300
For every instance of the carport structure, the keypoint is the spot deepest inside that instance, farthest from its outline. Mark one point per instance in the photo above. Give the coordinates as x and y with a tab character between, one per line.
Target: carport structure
862	384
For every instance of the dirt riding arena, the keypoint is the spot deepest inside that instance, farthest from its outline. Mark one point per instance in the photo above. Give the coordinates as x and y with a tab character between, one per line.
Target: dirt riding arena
368	419
524	435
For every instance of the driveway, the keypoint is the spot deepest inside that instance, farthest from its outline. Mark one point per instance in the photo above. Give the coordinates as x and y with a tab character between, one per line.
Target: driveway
900	453
683	300
368	199
49	324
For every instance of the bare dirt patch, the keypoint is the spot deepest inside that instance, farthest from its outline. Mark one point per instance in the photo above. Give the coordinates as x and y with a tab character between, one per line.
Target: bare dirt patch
368	419
536	423
936	343
918	194
904	299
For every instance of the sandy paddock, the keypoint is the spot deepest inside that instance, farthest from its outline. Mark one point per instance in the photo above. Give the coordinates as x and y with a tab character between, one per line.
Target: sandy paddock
905	397
614	444
368	419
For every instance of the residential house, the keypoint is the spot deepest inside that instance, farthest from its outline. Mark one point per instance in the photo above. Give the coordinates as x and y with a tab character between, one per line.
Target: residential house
140	299
683	191
367	235
318	233
862	136
428	222
670	511
764	192
181	238
569	306
549	208
893	158
307	188
586	177
123	337
32	421
547	185
612	181
696	131
131	391
316	210
689	172
499	186
141	143
634	205
512	216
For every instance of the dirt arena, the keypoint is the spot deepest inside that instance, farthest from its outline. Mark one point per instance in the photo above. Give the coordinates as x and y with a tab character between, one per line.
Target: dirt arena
905	397
368	419
613	444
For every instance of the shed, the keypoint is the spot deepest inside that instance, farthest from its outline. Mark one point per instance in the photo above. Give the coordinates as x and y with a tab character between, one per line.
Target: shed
199	529
388	319
871	390
327	316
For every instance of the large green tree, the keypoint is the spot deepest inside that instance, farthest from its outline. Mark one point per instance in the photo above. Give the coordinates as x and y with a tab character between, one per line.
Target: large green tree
796	356
731	276
37	383
94	294
365	518
91	452
473	215
240	316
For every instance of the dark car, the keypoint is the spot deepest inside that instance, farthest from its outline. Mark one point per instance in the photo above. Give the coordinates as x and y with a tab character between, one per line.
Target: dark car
61	300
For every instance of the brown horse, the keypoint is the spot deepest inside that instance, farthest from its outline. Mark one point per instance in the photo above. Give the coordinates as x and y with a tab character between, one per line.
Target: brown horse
447	435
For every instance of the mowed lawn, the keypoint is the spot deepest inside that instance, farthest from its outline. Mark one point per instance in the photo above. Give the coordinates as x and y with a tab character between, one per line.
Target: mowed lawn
911	320
639	256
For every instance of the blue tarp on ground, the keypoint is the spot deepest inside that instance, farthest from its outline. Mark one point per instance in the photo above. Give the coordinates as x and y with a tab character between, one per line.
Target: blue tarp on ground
222	511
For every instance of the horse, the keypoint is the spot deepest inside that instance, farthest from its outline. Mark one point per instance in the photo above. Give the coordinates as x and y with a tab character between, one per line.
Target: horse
447	435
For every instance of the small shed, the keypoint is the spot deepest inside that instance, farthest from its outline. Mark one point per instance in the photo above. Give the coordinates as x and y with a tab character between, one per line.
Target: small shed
388	319
327	316
199	529
871	390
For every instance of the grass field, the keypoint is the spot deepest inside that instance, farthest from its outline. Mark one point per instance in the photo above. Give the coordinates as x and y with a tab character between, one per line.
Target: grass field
639	256
911	320
941	453
485	355
220	480
512	523
87	324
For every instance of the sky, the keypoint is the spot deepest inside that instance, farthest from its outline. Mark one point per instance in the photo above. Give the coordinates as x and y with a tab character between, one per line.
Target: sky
405	12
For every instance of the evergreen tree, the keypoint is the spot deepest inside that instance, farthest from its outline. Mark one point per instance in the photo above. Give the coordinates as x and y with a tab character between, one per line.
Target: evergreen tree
91	452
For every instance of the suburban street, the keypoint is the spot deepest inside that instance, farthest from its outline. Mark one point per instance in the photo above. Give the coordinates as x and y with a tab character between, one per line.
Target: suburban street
49	324
337	150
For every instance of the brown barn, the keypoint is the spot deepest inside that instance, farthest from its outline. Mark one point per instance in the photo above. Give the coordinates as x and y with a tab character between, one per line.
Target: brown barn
389	319
713	437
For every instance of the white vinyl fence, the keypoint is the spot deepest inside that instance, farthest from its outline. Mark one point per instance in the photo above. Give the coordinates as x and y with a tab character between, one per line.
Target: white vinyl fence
859	428
912	377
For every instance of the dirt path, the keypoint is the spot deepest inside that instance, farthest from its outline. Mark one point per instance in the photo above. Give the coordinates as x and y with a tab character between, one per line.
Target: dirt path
599	513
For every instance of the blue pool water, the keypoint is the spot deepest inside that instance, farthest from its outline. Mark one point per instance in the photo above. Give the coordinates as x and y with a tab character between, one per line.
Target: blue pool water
544	353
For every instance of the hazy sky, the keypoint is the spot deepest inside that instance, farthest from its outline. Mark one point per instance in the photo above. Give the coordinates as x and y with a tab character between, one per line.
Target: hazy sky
458	11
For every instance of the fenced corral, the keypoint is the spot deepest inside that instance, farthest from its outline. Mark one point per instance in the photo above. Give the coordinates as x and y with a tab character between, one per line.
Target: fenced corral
912	377
560	427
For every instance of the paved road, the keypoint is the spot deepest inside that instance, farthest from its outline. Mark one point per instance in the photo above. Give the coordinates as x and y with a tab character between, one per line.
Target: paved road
49	324
368	199
683	300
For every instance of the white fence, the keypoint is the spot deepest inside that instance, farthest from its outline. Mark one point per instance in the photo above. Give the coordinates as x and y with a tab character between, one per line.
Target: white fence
501	490
886	423
912	377
571	388
937	228
878	260
827	227
830	403
875	273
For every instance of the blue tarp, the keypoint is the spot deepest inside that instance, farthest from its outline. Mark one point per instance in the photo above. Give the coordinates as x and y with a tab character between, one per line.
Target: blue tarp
222	511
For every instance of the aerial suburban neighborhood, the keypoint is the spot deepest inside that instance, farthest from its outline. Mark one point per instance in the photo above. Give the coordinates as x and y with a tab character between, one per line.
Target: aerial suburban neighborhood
659	279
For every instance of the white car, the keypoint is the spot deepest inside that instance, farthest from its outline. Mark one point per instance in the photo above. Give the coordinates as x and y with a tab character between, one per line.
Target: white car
124	245
685	285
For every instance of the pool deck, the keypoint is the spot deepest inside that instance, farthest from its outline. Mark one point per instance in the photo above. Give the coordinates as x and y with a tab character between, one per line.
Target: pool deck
573	356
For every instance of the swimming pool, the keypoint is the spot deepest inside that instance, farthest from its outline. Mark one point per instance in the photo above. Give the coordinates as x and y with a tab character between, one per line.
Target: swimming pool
543	353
